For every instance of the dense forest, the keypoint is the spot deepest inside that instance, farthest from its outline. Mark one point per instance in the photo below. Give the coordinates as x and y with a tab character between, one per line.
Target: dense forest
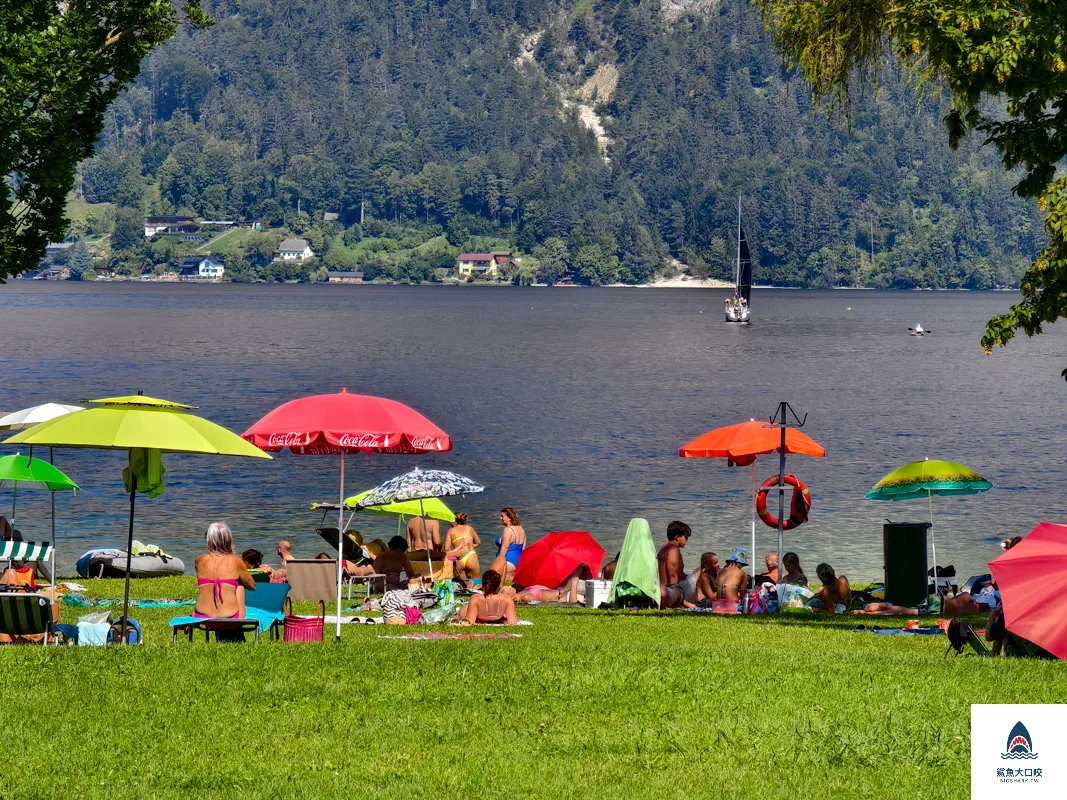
442	124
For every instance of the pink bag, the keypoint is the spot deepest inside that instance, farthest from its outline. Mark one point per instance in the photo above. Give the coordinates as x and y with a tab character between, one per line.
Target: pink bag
412	615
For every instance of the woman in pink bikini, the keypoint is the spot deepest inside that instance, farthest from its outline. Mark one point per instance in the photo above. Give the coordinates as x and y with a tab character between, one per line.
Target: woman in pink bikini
221	577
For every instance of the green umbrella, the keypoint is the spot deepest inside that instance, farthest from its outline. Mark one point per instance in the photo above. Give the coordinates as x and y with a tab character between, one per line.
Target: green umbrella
924	479
144	427
27	469
430	508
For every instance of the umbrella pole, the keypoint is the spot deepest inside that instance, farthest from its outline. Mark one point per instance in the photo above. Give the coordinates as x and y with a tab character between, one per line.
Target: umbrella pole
781	492
129	557
14	496
426	533
753	510
933	544
340	538
53	547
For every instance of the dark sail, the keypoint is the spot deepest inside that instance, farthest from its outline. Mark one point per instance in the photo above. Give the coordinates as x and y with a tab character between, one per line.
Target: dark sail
744	283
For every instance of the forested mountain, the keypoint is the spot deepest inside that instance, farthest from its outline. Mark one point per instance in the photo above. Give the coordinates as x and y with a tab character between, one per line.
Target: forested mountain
472	118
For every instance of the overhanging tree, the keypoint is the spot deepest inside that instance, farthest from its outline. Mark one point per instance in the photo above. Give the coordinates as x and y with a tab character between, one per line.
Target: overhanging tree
61	66
1004	66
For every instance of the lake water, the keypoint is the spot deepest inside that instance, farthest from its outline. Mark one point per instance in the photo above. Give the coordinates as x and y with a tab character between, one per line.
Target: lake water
568	404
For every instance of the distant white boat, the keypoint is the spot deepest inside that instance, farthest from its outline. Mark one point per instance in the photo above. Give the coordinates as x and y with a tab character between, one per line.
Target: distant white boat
738	307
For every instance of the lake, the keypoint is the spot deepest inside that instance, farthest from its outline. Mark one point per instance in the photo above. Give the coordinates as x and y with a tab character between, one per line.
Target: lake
569	404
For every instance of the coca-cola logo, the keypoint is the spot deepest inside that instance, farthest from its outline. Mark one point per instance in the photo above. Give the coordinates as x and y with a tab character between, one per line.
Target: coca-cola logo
363	440
286	440
425	442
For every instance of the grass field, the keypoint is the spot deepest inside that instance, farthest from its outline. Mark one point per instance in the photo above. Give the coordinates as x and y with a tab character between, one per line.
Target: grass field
586	705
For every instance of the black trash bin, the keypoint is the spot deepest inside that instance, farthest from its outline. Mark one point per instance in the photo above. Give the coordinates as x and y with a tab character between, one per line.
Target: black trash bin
904	548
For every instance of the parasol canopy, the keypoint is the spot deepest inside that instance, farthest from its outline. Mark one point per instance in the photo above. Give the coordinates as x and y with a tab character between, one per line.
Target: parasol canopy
419	484
34	415
1031	577
741	443
428	508
920	479
26	469
554	558
347	423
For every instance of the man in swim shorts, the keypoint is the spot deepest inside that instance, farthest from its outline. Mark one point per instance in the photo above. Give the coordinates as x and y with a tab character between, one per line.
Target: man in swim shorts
672	567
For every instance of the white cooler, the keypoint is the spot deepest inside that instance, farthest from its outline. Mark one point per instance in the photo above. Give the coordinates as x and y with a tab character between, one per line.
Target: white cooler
596	592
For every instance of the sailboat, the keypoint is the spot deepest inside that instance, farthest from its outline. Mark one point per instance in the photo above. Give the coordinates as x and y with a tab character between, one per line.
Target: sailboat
738	307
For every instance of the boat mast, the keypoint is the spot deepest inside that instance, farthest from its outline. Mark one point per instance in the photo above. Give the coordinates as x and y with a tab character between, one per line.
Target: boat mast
737	276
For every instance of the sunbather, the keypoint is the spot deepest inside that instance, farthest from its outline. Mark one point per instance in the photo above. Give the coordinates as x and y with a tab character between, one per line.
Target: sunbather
707	578
672	566
221	577
419	530
254	561
958	605
793	572
570	590
835	595
461	542
490	607
394	561
732	581
510	543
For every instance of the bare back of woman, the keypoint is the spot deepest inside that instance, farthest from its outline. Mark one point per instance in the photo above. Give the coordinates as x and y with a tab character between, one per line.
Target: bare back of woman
221	577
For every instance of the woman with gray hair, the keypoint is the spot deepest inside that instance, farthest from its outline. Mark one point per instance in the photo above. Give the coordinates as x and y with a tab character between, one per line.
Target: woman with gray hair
221	577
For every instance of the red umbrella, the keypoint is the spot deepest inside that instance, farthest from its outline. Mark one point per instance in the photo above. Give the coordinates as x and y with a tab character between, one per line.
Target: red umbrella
1031	577
341	423
551	560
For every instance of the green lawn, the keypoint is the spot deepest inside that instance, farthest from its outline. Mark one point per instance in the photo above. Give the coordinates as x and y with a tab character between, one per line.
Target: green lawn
585	704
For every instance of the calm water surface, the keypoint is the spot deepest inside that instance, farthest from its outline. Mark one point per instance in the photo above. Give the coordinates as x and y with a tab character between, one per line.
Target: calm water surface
568	404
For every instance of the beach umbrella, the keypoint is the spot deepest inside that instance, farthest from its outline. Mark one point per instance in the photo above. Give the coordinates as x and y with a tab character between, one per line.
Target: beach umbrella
35	415
419	485
1031	577
342	423
431	507
740	444
924	479
27	469
552	559
145	427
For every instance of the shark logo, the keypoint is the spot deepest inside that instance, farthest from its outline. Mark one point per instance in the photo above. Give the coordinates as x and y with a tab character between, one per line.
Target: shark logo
1019	743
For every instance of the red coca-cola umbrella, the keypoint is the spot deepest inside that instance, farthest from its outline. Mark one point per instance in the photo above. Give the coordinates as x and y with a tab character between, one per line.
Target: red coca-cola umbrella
342	423
1031	577
554	558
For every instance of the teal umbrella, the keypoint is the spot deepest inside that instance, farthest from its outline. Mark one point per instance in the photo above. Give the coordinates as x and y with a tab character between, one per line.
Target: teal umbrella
924	479
27	469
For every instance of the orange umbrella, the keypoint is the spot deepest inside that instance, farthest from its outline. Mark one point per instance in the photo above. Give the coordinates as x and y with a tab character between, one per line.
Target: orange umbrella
740	444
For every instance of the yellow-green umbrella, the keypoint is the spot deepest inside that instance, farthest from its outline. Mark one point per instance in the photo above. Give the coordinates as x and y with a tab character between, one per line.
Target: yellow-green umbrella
430	508
145	427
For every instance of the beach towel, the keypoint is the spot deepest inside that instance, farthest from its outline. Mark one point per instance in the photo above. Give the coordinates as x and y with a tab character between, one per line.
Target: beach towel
424	637
81	601
636	571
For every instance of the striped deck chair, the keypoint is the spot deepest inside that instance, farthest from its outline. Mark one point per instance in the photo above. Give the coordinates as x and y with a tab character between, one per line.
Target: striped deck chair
27	615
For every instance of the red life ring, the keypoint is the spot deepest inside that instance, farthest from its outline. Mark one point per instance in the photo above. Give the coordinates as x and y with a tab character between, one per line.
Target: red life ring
798	515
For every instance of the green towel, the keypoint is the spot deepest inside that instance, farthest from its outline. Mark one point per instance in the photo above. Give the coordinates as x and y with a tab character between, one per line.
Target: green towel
637	567
146	465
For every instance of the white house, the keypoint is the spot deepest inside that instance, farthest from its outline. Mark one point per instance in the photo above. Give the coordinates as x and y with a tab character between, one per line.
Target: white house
201	268
294	250
166	223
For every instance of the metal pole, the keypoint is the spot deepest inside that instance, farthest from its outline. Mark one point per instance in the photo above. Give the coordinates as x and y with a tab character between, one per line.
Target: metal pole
340	551
53	547
426	535
781	489
753	510
933	545
129	556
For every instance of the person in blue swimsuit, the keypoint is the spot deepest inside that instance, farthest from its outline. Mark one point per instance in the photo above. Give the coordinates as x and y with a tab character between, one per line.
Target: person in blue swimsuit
509	544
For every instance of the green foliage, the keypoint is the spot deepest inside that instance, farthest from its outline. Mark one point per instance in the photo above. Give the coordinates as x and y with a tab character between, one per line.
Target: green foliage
553	260
1004	66
129	230
61	66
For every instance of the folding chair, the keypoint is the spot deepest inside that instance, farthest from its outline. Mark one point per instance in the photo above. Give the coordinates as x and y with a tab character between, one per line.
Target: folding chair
23	614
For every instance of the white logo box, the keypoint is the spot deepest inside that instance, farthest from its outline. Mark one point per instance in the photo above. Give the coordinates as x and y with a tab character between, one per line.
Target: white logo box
1018	751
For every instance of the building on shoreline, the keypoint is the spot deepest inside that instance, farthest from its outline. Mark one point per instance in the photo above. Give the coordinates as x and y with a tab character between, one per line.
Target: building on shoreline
483	265
201	268
345	277
169	223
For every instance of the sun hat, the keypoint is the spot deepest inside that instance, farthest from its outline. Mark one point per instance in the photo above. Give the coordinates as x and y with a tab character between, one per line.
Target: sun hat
738	555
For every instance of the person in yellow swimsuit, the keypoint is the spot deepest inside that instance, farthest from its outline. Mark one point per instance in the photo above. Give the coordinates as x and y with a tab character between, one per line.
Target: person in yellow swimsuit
461	544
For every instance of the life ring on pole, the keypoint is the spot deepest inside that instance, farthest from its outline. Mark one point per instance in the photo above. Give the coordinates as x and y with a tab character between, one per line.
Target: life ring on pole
799	505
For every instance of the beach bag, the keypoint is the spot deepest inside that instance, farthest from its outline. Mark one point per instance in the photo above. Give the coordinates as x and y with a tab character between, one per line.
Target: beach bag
440	615
133	632
412	615
445	591
793	597
303	629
